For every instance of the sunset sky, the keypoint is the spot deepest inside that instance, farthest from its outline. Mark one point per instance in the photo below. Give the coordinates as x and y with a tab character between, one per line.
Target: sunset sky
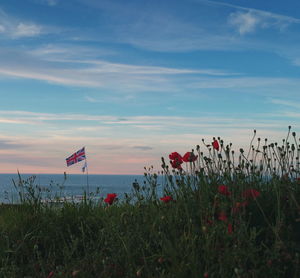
135	80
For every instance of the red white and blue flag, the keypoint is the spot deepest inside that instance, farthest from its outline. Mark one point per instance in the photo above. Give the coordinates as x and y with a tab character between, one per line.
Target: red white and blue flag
76	157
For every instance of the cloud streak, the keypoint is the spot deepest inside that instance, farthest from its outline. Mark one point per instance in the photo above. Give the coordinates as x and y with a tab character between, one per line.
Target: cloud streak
265	14
96	72
15	28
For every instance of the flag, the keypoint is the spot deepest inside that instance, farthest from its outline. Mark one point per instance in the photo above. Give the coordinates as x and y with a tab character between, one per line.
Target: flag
84	167
76	157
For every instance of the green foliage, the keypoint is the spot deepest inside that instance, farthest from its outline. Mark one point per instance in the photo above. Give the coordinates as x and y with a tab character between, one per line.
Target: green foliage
221	219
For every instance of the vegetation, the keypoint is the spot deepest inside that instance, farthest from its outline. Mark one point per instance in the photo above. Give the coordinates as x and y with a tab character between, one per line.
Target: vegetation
208	213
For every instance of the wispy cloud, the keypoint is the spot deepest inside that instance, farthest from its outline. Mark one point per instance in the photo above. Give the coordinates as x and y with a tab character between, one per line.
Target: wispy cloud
143	148
293	104
124	135
264	86
164	30
244	22
247	20
9	144
164	122
26	30
262	13
96	72
16	28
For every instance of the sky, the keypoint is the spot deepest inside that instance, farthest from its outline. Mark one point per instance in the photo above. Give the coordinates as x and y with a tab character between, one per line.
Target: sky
135	80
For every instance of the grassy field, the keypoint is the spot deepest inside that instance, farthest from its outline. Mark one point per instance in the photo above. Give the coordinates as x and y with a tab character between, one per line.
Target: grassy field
219	215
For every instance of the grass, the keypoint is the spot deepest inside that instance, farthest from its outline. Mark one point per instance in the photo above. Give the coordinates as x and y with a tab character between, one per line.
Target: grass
216	215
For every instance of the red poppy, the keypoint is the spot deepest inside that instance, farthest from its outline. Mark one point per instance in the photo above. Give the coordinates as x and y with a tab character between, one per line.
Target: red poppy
175	155
167	199
189	157
229	229
110	198
222	216
223	189
176	164
176	160
215	145
250	193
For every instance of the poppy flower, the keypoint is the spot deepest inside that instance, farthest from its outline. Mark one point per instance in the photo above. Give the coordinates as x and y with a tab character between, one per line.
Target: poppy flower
222	216
176	164
229	229
189	157
176	160
250	193
166	199
215	145
110	198
223	189
175	155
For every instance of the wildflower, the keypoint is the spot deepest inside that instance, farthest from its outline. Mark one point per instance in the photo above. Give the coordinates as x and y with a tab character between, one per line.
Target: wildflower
250	193
110	198
222	216
176	164
215	145
175	155
223	189
206	275
176	160
229	228
189	157
166	199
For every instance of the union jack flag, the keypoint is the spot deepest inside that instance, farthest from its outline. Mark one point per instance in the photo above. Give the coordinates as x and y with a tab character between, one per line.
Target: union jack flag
76	157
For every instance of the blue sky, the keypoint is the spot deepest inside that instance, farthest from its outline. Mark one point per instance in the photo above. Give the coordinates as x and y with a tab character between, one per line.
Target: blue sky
135	80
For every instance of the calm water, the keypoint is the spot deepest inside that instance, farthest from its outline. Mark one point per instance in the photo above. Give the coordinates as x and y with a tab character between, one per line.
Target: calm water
74	185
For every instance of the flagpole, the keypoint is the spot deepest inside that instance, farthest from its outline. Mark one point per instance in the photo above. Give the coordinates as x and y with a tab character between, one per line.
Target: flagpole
87	178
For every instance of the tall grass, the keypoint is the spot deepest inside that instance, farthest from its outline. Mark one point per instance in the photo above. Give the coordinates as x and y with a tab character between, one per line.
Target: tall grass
217	215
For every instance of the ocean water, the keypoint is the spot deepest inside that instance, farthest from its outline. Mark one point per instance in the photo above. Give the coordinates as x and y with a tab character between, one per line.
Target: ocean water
72	186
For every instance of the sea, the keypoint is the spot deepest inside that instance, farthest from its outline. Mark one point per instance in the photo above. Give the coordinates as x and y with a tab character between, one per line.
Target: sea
69	186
